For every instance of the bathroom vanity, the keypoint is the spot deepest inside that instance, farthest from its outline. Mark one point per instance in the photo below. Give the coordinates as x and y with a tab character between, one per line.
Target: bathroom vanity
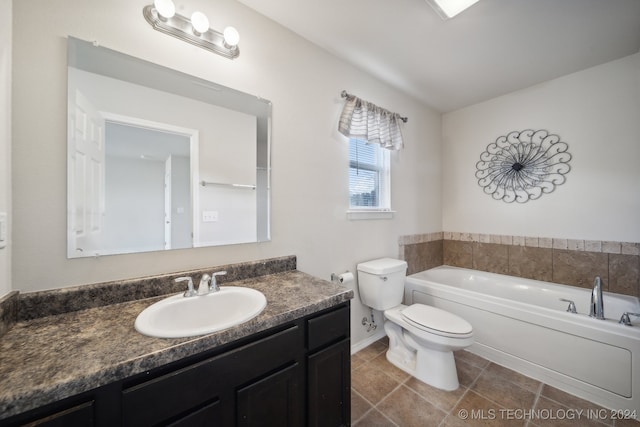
290	366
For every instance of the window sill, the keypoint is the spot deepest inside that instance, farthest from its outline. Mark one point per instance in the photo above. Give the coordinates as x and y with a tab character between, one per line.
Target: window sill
358	214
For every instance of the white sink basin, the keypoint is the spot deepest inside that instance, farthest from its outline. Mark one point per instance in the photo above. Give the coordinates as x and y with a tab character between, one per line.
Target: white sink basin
180	316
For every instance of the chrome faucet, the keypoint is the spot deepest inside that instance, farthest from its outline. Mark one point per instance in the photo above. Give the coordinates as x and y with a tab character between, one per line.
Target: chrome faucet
626	320
597	304
214	282
190	292
572	305
207	284
204	287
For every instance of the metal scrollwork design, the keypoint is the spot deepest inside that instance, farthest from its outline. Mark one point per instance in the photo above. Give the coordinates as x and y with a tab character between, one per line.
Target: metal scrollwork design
522	166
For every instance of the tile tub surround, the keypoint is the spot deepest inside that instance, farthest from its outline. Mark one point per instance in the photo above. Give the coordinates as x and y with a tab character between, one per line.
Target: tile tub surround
421	252
383	395
564	261
49	358
47	303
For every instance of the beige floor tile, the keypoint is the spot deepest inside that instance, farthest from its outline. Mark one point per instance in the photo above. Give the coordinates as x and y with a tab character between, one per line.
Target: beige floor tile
373	384
374	419
477	411
372	351
627	422
552	414
467	372
445	400
408	409
566	399
471	359
359	406
357	360
514	377
381	363
489	395
503	392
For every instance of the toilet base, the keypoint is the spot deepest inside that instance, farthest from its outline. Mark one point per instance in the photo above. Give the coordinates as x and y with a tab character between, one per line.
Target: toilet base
434	367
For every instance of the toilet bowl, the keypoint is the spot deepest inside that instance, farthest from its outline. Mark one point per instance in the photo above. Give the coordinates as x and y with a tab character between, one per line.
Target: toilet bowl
422	338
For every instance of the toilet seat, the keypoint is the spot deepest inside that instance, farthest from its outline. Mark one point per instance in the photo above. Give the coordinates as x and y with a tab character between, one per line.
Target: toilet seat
436	321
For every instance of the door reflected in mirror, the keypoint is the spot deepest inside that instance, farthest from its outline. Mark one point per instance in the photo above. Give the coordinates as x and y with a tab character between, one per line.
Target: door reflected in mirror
161	160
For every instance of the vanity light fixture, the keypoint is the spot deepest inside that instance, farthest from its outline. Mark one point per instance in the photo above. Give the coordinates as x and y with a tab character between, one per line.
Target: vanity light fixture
162	16
450	8
200	23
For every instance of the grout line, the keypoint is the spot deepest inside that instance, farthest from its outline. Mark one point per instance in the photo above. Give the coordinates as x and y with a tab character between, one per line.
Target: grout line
385	398
372	406
354	422
534	405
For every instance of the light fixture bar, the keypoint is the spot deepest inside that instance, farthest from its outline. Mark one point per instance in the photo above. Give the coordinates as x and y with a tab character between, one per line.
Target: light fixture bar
180	27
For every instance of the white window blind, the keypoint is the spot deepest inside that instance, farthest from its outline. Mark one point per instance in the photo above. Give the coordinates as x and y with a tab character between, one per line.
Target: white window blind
368	176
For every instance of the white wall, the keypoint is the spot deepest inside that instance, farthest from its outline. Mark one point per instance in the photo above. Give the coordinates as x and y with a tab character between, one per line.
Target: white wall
220	161
5	138
309	157
597	113
180	201
134	205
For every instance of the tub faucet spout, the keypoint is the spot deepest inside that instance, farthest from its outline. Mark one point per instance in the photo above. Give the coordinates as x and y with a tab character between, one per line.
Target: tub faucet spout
597	304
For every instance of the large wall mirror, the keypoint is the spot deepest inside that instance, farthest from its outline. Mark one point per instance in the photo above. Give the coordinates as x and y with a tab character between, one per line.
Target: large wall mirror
161	160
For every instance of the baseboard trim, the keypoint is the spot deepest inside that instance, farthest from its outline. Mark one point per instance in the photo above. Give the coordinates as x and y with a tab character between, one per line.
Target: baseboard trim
367	341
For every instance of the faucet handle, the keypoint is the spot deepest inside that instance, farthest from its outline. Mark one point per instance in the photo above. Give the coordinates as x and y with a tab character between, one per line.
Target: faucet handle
572	305
214	282
190	292
625	320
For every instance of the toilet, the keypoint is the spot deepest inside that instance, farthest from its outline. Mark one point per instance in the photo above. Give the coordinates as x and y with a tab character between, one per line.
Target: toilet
422	338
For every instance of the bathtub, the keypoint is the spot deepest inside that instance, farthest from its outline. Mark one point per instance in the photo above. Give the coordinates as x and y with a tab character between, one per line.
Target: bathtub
523	325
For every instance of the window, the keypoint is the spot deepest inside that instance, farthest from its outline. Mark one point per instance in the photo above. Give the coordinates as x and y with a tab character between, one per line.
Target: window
369	188
369	177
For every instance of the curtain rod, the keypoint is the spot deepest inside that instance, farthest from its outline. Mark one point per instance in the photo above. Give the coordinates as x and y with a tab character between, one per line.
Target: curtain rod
345	94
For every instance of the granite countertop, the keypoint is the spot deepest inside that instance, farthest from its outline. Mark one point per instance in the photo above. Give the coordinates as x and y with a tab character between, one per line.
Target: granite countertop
50	358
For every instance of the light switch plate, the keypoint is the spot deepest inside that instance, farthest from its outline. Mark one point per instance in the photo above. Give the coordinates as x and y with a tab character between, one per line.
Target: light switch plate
3	229
209	216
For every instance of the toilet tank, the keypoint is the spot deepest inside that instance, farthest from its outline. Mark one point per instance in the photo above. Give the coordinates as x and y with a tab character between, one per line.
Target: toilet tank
381	282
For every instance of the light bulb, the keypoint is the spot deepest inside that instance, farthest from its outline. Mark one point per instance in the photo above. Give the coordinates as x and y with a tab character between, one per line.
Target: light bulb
231	36
165	8
200	23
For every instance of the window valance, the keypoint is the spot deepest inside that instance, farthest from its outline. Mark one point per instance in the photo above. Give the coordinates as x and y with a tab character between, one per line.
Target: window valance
361	119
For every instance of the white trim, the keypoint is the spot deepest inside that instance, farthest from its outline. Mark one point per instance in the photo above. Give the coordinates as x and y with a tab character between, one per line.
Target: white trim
382	167
368	341
358	214
194	137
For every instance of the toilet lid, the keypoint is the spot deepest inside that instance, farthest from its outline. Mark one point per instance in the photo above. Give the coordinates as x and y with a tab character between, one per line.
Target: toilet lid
427	317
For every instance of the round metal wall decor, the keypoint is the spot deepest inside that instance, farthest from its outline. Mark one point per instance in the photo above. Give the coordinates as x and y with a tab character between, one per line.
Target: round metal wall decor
522	166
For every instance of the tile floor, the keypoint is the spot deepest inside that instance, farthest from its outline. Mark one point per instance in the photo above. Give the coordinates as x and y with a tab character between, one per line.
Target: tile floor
489	394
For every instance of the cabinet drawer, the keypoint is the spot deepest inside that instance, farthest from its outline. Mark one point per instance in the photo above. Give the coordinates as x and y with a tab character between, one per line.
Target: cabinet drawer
81	415
328	328
184	390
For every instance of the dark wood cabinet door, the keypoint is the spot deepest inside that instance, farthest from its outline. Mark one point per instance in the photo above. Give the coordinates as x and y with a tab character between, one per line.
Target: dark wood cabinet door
207	416
277	400
329	376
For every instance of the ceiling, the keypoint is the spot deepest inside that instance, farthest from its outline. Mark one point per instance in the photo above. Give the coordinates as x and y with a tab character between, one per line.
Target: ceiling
493	48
